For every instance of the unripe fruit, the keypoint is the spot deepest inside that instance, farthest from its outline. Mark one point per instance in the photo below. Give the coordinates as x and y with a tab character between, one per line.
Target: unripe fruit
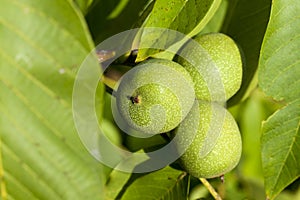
217	66
155	96
223	150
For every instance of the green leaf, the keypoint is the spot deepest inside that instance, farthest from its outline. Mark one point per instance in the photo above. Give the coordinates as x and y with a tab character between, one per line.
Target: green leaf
115	184
166	183
216	22
42	46
118	180
279	72
280	56
246	23
280	149
186	16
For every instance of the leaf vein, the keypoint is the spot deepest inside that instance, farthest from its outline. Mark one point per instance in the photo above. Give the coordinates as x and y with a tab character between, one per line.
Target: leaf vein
34	46
23	99
49	158
283	164
28	169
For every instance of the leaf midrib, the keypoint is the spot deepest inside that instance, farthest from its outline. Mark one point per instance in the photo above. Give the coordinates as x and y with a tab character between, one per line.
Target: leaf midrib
282	164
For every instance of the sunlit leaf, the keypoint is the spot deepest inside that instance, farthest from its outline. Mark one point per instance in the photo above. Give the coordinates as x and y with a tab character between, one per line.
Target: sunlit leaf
280	56
186	16
115	184
280	149
216	22
42	46
279	72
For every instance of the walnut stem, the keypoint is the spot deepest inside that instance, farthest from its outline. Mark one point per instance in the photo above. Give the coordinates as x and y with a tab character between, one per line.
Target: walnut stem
210	189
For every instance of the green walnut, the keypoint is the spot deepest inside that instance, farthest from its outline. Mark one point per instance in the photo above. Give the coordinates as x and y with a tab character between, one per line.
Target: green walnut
210	140
155	96
214	62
